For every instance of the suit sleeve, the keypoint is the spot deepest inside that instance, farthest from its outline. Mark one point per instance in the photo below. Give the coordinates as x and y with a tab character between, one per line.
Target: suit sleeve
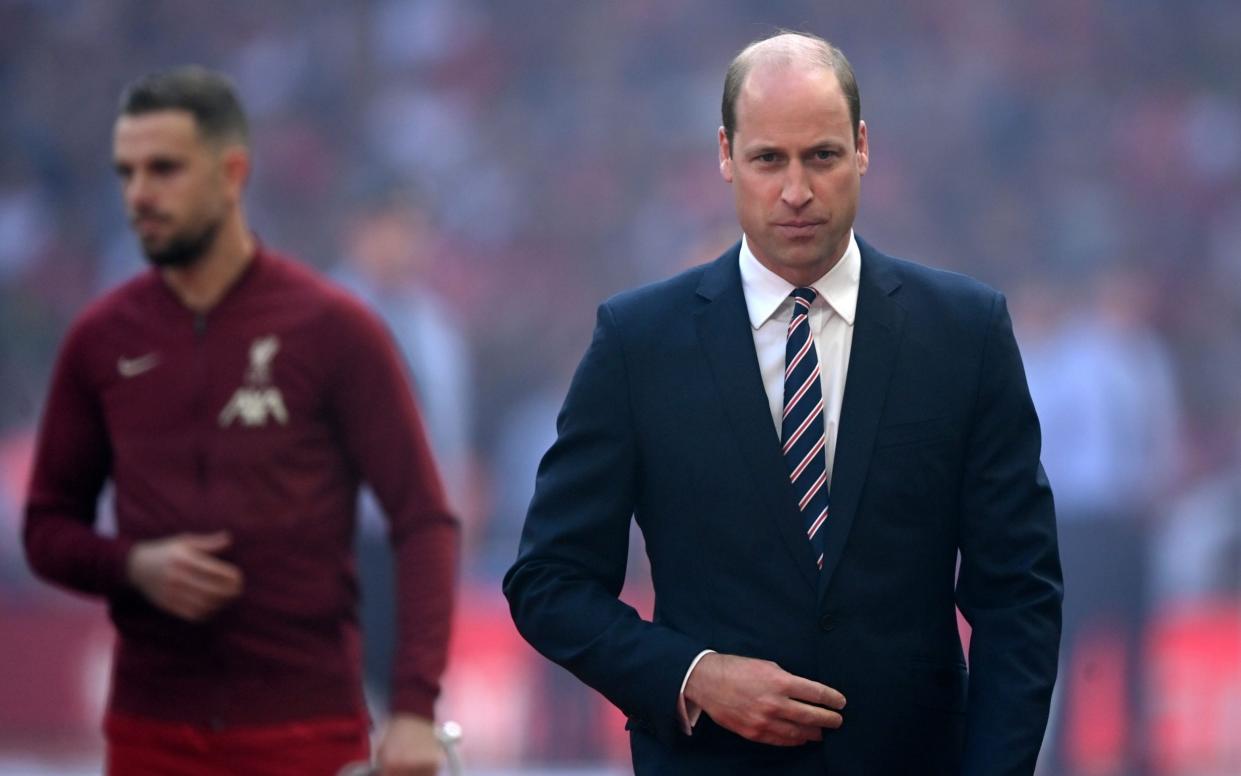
1009	587
383	434
563	589
73	459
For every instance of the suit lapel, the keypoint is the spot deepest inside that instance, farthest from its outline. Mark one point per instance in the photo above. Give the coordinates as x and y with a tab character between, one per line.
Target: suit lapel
724	331
876	336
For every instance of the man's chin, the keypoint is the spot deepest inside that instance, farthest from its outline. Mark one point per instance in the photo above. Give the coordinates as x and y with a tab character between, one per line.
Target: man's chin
152	247
179	251
808	255
170	256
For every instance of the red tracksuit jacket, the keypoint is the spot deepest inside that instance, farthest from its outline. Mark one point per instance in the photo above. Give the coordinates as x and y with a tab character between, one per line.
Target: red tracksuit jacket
261	418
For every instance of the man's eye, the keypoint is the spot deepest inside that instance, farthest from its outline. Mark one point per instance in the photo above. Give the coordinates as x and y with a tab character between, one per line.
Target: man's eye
766	158
824	155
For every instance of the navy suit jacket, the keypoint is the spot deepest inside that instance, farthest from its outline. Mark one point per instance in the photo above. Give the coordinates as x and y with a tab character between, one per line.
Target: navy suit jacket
667	422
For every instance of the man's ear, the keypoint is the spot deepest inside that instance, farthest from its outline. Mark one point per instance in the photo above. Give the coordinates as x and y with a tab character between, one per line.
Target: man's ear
863	149
235	160
726	156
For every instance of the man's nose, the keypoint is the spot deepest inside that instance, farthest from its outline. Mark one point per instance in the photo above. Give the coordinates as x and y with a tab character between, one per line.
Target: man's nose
137	191
796	192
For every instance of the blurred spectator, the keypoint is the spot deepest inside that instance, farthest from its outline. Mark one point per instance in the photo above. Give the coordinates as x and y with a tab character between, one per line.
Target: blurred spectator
389	249
1103	383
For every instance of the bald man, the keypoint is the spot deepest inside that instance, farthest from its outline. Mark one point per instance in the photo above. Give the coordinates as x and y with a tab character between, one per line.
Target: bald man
810	434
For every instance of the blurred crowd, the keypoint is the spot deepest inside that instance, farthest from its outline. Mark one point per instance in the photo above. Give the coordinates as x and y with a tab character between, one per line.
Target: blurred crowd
484	173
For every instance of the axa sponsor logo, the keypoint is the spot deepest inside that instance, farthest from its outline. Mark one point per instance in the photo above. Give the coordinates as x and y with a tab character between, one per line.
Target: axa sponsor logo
257	401
253	407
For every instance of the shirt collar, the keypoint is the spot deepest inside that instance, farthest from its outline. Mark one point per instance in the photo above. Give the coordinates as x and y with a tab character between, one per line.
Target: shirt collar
765	291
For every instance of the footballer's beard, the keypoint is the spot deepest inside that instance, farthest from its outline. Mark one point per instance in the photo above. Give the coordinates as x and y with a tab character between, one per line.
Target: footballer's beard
185	248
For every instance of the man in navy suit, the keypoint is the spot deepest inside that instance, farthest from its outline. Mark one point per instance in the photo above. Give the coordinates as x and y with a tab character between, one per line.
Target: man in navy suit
809	434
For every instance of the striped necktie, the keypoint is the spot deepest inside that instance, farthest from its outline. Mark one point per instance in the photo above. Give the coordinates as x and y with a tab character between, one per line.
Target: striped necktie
802	427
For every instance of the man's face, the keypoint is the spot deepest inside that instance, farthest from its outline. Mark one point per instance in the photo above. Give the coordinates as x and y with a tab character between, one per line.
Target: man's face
176	188
795	169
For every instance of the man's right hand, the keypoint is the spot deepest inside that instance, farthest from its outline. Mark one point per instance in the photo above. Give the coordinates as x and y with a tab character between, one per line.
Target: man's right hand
181	575
758	700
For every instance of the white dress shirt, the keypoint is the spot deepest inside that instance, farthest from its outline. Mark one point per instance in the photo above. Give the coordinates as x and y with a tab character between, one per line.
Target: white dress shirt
831	324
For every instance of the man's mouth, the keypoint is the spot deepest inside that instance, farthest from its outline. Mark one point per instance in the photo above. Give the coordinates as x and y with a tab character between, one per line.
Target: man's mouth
798	228
147	223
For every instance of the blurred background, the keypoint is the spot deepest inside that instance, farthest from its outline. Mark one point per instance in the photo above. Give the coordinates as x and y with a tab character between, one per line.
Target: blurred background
484	173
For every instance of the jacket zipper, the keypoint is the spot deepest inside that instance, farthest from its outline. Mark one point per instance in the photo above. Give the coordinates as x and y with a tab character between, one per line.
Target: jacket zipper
203	410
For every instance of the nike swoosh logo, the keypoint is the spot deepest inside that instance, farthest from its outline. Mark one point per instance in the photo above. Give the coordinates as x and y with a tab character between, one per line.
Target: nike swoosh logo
132	367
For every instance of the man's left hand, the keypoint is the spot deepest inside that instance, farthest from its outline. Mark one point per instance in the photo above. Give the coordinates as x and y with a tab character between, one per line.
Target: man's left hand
409	747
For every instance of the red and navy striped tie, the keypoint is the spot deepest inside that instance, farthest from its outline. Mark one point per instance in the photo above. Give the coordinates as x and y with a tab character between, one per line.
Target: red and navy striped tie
802	427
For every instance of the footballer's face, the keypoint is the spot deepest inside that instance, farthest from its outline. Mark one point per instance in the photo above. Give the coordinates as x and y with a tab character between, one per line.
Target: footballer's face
177	188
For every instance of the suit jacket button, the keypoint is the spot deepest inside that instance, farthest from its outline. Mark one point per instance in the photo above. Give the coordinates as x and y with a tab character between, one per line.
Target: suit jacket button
826	622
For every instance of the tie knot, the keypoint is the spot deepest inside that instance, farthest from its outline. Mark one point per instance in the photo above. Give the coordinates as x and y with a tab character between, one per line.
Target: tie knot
803	296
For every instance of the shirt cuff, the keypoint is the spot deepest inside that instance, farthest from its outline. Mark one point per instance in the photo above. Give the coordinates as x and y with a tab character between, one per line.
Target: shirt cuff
688	712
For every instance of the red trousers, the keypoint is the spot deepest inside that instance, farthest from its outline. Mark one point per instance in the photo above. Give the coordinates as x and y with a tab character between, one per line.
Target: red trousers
148	747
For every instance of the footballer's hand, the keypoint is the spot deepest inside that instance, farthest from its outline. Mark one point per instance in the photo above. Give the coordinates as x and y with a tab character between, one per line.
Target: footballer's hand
409	747
182	576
